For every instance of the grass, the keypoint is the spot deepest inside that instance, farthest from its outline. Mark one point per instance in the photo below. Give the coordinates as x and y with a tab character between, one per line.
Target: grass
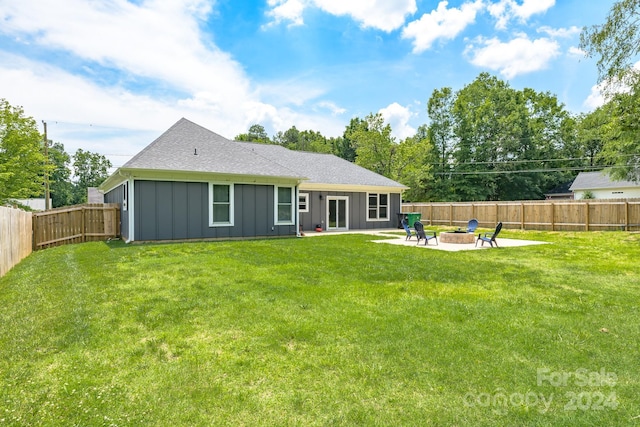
333	330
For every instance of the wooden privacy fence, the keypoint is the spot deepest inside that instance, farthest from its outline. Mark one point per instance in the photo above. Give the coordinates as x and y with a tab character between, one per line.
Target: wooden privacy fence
15	237
76	224
566	215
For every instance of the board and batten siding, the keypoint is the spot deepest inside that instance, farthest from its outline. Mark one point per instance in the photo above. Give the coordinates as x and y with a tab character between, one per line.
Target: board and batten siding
168	210
357	210
117	195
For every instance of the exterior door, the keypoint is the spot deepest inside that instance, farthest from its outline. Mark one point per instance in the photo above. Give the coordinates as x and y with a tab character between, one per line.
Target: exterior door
337	213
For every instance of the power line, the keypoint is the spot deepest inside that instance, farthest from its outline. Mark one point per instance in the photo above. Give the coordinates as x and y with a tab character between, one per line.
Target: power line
574	168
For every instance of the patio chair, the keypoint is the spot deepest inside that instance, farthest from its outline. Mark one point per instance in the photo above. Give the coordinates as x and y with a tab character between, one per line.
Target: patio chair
472	225
406	228
426	235
490	237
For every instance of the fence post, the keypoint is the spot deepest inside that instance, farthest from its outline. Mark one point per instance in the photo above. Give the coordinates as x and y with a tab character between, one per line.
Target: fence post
521	215
553	216
586	205
626	216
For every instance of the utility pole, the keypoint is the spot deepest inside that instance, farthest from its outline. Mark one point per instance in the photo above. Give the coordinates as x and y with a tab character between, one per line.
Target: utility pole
47	204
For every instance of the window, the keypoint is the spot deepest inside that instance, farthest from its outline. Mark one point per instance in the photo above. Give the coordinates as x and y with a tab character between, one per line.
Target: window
221	205
303	202
284	205
378	207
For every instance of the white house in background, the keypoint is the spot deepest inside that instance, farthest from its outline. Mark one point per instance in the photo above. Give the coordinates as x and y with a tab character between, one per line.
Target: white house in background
601	186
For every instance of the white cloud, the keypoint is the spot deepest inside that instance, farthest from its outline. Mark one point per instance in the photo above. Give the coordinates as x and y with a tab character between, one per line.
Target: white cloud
505	10
286	10
398	117
577	52
385	15
518	56
560	32
596	98
441	23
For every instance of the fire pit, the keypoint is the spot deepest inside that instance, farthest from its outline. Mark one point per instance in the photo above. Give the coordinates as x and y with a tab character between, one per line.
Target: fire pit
457	237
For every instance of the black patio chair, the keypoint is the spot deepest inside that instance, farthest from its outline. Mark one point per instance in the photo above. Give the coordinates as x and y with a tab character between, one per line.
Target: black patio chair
426	235
490	237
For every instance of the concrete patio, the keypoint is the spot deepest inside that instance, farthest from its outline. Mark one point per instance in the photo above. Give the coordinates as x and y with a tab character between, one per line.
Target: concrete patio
392	237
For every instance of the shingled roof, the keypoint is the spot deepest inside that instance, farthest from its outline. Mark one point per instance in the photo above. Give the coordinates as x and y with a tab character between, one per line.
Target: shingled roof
188	147
598	180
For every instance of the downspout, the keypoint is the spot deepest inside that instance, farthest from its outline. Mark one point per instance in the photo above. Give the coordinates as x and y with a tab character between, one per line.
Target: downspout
297	210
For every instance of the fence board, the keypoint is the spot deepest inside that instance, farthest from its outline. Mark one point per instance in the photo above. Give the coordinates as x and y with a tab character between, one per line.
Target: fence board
569	215
76	224
15	237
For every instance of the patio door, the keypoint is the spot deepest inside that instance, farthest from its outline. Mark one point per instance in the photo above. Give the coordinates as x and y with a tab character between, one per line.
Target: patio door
337	213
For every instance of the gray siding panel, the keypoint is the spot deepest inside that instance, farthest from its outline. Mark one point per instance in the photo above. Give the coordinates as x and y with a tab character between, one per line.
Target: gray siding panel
117	196
179	210
357	211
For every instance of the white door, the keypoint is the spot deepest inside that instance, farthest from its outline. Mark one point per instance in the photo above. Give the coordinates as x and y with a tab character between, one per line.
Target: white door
337	213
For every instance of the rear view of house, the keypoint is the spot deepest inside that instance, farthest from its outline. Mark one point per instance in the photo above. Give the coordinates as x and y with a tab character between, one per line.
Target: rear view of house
191	183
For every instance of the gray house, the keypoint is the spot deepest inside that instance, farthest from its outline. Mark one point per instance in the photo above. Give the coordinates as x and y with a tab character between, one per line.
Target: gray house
599	185
192	183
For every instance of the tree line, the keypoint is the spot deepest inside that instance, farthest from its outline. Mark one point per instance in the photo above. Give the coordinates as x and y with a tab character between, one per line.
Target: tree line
24	166
486	141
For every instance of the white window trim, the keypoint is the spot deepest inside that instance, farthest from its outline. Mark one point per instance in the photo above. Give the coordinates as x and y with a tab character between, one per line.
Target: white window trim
231	205
378	219
306	202
294	202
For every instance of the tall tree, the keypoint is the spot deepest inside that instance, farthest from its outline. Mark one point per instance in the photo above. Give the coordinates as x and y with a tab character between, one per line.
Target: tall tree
22	161
256	133
412	165
60	177
616	44
375	147
89	170
442	136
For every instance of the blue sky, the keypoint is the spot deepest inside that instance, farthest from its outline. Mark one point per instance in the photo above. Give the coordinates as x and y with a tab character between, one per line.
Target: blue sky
110	76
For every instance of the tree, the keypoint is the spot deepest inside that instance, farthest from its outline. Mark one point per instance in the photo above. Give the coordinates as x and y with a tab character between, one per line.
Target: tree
256	133
89	170
60	176
375	147
22	162
442	137
616	42
411	165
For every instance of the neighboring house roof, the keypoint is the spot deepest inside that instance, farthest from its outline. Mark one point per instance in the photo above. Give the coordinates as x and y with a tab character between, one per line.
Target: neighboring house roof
560	190
598	180
188	147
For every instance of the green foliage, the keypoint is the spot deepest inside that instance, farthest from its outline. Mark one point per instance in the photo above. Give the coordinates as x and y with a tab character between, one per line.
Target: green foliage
375	147
89	170
263	333
616	42
60	186
22	161
256	133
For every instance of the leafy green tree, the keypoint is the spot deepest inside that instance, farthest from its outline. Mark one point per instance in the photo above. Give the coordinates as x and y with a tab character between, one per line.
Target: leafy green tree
412	165
346	147
375	147
60	177
621	148
256	133
442	137
616	42
89	170
22	161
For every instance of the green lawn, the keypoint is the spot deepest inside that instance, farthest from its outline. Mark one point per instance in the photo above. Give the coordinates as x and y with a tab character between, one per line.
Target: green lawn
332	330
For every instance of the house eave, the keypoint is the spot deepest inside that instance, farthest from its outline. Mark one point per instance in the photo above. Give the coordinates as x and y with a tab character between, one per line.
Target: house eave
123	174
310	186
